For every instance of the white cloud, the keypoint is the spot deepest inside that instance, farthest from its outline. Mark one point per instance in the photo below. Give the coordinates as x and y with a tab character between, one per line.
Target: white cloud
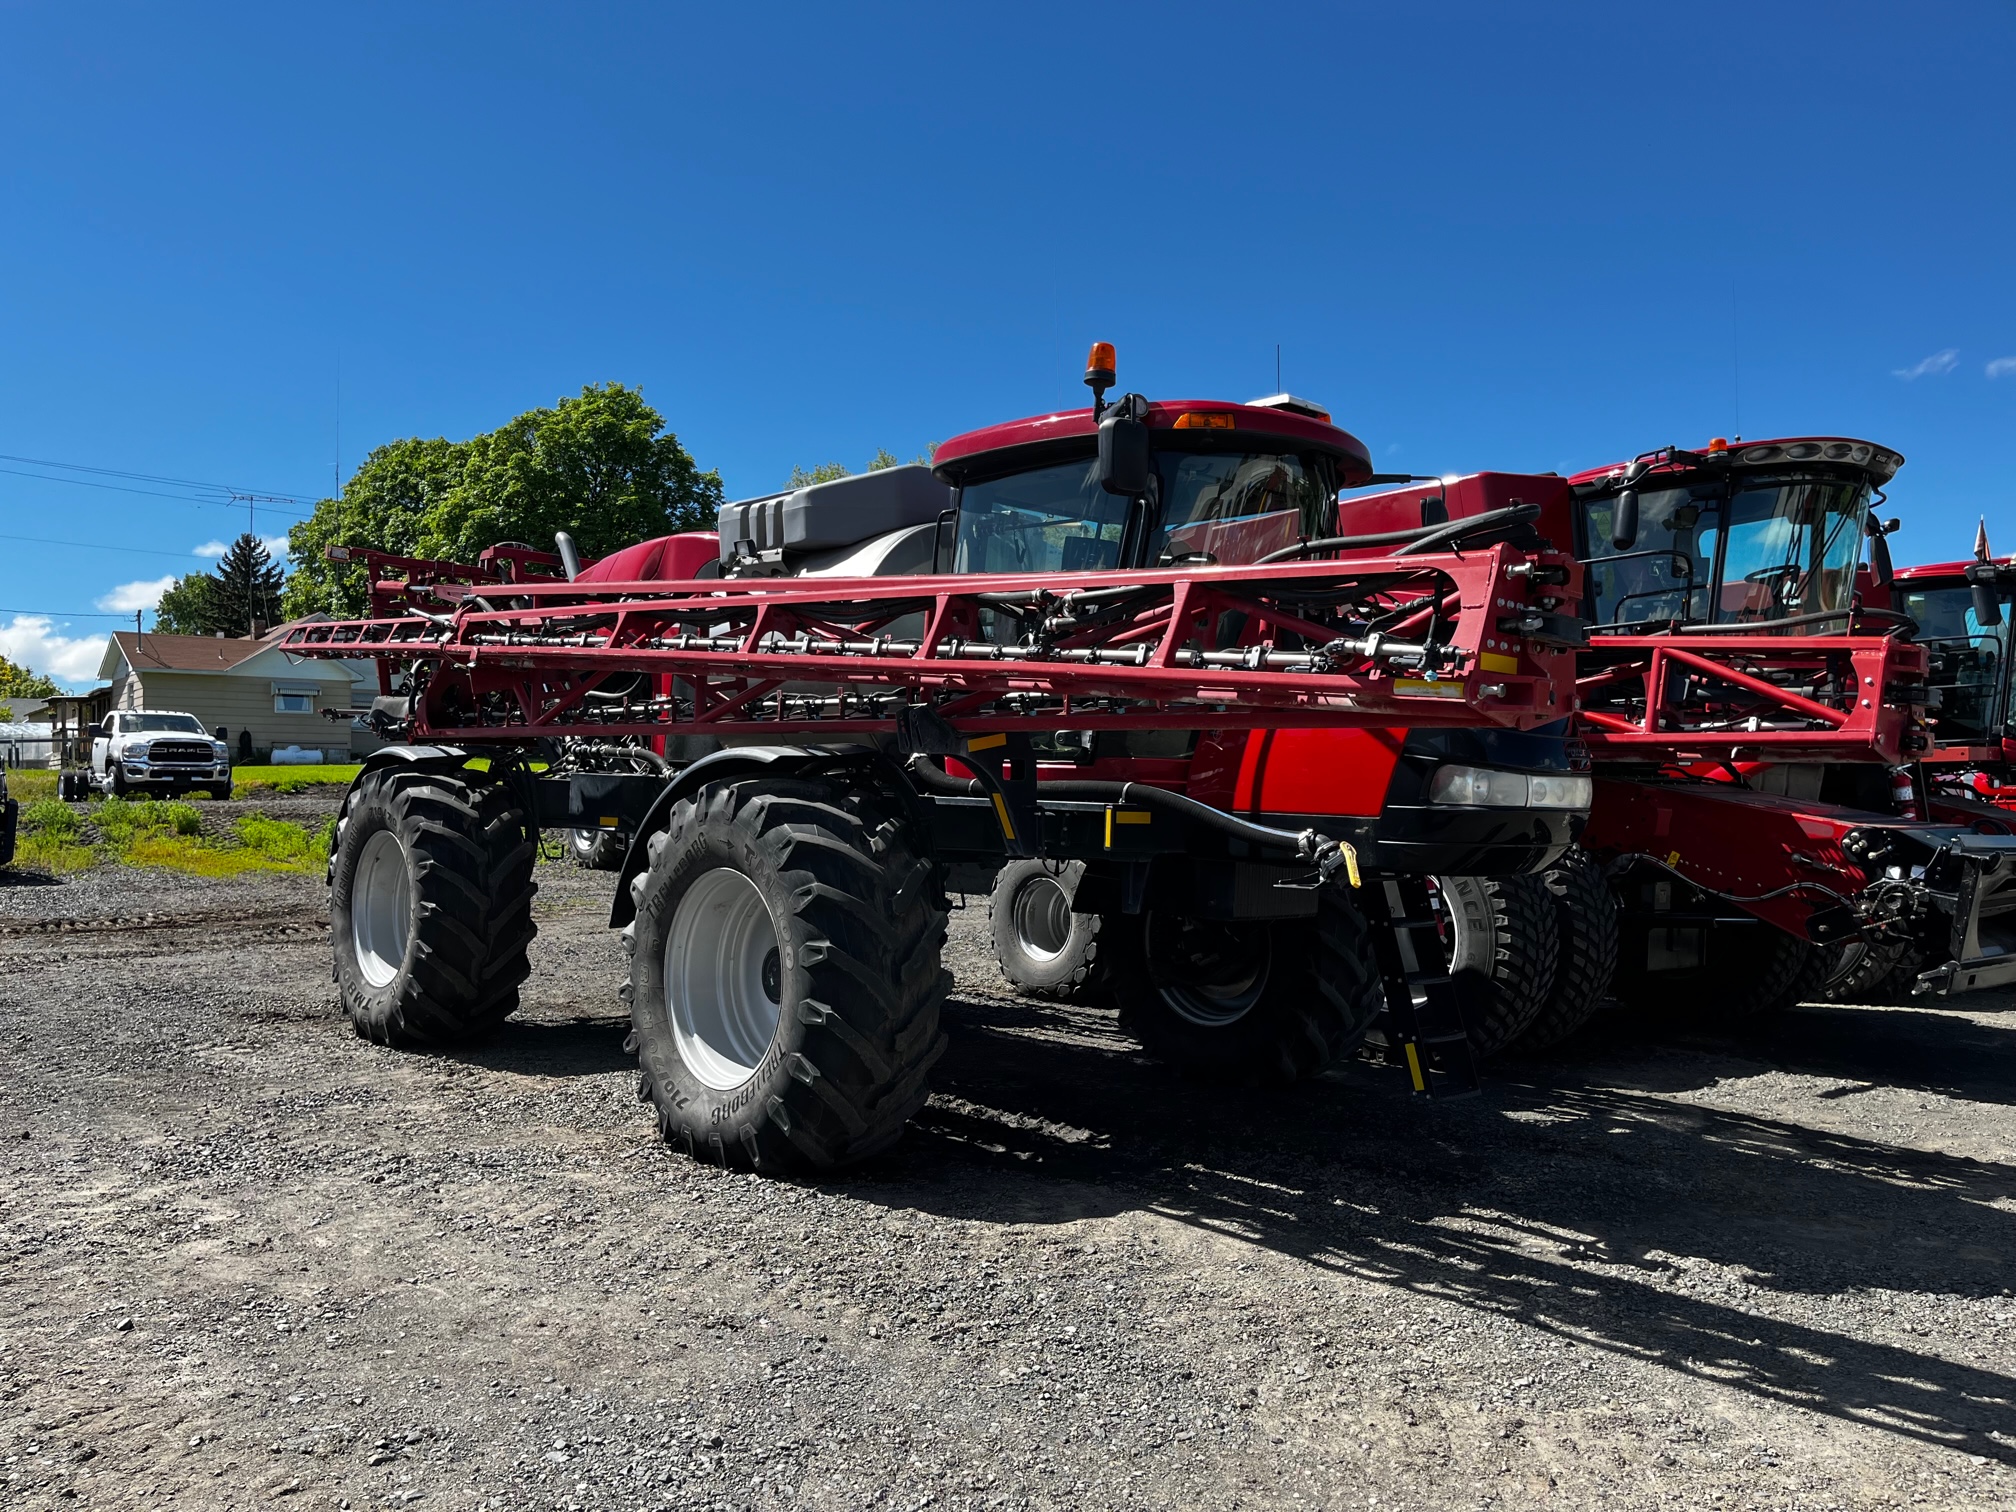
32	641
1938	362
2002	367
276	547
142	595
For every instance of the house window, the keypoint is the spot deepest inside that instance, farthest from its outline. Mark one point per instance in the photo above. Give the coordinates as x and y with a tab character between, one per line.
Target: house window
293	703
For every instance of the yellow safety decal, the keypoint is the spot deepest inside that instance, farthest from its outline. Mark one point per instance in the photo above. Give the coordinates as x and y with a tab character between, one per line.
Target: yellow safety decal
1350	863
986	742
1672	858
1124	816
1414	1068
1001	813
1492	661
1418	687
608	821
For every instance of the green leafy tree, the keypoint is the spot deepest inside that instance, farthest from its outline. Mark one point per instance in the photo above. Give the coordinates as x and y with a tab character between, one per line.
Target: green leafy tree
17	681
188	608
601	466
826	472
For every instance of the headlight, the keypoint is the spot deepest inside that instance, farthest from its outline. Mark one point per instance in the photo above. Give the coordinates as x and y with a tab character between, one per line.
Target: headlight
219	749
1481	787
137	750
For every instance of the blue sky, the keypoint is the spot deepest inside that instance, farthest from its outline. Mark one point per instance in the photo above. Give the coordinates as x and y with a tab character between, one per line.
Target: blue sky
1523	238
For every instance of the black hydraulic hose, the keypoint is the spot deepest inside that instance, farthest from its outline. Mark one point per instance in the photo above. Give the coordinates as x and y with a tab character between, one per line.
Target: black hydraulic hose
1418	538
1748	627
1307	844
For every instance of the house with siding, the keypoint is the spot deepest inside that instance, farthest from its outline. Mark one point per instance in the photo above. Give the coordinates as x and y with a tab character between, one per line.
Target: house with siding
239	684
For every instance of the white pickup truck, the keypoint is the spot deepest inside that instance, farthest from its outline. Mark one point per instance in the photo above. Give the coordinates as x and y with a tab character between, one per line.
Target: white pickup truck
152	749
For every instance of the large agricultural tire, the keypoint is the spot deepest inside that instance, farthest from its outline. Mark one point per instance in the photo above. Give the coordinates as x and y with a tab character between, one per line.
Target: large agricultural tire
1880	974
1044	949
1585	919
597	849
1503	944
1249	1004
430	906
785	976
1760	972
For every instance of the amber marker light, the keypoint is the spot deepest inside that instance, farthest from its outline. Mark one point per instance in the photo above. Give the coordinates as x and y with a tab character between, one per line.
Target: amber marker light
1205	420
1719	444
1100	366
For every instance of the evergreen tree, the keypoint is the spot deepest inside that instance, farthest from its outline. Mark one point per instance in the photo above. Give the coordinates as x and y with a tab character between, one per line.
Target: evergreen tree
246	586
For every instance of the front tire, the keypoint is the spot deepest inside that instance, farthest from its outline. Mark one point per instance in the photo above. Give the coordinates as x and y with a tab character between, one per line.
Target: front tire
1503	949
1585	918
430	906
1044	949
115	781
785	976
1263	1003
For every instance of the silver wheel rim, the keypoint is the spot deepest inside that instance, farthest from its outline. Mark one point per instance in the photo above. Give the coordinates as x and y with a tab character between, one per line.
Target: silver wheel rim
1042	916
723	978
584	840
1202	990
381	909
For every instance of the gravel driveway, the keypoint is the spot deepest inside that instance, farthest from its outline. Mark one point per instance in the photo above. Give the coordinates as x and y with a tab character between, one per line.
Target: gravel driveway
245	1255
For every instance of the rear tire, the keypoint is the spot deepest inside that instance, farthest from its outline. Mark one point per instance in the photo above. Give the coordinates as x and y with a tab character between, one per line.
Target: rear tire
785	976
1761	973
597	849
1503	946
1044	949
1585	918
430	906
1253	1004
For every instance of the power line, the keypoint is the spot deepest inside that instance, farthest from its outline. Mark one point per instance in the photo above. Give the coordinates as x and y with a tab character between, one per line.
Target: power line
96	546
67	614
113	472
155	493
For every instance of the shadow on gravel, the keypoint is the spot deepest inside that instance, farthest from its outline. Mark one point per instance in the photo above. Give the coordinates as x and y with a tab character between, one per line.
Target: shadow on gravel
573	1047
1921	1048
13	878
1502	1204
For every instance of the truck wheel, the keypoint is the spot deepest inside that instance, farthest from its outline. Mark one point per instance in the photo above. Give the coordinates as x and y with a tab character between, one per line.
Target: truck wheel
430	906
597	849
115	781
1761	971
1503	944
785	976
1044	948
1585	918
221	792
1255	1004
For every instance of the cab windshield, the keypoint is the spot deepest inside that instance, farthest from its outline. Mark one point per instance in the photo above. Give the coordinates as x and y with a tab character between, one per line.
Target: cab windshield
1968	662
1728	551
144	724
1225	507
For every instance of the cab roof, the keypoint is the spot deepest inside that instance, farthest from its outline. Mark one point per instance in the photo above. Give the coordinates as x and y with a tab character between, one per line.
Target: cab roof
1843	451
1069	432
1932	571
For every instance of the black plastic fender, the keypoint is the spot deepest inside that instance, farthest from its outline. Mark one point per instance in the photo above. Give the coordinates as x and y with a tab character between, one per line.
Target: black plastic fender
736	761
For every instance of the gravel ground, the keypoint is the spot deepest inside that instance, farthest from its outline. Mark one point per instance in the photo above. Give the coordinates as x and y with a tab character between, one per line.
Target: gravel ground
245	1255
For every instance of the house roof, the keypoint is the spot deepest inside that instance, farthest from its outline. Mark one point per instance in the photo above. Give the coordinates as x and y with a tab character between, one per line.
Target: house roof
205	653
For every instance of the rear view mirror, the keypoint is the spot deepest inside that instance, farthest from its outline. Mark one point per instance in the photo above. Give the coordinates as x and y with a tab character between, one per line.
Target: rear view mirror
1987	604
1624	521
1123	455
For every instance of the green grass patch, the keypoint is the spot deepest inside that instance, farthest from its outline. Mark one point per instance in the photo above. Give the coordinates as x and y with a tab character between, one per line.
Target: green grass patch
30	784
62	838
250	781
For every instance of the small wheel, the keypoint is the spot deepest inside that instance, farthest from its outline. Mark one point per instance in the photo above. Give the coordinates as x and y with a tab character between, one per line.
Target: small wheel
1260	1003
1044	949
1585	918
430	906
785	976
597	849
1503	948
